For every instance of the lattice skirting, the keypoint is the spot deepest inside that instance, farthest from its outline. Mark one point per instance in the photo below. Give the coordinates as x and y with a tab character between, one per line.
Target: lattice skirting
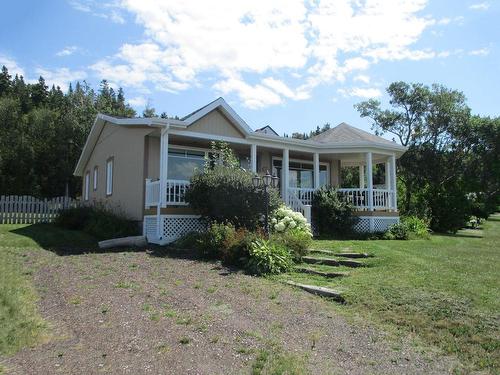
375	223
172	227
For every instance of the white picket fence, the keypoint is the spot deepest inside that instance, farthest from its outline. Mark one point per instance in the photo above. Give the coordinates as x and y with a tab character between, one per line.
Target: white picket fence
24	209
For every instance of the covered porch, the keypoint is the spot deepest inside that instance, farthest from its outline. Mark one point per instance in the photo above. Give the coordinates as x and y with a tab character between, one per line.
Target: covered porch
174	158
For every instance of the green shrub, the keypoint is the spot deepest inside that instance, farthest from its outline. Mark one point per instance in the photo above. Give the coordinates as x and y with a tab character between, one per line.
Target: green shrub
332	215
226	194
295	240
267	257
187	241
210	243
236	249
291	229
98	221
410	227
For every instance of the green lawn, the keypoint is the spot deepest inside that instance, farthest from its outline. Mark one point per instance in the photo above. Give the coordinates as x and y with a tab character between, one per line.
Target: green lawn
20	324
444	292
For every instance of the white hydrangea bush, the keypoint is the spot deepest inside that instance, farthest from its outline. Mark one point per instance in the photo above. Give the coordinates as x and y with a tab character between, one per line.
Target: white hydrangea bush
284	219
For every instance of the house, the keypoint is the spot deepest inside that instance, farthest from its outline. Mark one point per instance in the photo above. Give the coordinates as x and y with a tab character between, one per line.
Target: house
142	166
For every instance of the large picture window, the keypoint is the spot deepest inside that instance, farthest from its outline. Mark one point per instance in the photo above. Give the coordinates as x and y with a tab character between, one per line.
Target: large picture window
301	173
182	164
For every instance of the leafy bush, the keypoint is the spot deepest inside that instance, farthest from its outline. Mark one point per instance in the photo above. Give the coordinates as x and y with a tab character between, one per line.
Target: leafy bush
210	243
295	240
410	227
226	194
267	257
332	214
285	219
98	221
291	229
236	248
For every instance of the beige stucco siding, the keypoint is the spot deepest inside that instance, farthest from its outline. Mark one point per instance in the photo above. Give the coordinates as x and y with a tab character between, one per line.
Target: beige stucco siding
126	145
153	157
215	123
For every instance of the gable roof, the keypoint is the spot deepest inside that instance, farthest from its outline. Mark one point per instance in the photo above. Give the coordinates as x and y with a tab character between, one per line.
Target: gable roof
345	133
267	130
225	108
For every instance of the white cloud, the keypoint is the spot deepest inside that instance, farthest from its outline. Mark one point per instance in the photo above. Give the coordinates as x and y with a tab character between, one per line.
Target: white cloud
138	101
109	10
67	51
246	45
480	6
254	97
359	92
11	65
60	77
480	52
362	78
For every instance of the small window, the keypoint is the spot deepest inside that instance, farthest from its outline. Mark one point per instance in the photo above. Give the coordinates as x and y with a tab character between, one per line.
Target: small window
95	178
109	176
87	186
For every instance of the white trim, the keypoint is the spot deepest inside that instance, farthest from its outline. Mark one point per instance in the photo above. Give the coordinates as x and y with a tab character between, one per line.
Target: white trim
221	104
369	180
253	158
316	171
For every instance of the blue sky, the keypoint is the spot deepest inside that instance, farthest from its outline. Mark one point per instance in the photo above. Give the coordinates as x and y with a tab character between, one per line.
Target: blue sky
287	63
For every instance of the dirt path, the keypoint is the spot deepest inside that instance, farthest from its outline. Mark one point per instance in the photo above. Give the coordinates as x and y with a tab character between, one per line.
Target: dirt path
142	313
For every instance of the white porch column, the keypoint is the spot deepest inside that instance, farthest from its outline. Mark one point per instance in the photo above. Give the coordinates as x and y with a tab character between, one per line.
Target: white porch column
285	172
394	193
369	179
316	170
163	167
388	184
361	176
253	158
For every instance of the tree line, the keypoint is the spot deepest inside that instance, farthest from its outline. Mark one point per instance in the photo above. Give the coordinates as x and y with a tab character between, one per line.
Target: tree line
42	132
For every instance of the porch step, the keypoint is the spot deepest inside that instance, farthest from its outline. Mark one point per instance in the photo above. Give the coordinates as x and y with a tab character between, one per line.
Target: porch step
342	254
321	273
319	290
332	262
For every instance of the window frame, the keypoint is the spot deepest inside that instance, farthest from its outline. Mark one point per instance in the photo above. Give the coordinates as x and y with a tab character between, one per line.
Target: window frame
109	176
302	161
86	187
95	178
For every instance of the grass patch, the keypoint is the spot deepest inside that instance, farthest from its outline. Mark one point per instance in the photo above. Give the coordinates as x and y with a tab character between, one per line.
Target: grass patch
445	291
271	360
20	323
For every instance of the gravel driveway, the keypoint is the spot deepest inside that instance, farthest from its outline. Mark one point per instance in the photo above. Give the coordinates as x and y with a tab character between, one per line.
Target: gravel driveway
148	313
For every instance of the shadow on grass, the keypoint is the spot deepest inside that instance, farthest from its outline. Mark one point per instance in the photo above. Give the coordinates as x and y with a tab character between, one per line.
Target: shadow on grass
60	241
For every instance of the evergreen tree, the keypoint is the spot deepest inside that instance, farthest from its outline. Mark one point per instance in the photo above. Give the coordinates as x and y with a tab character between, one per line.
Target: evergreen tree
4	81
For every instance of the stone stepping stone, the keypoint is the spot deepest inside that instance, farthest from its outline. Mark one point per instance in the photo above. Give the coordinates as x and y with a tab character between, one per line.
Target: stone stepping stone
343	254
321	273
332	262
319	290
353	255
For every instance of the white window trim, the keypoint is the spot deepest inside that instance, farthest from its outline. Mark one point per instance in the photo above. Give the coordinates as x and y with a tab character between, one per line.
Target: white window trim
109	176
86	191
95	177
